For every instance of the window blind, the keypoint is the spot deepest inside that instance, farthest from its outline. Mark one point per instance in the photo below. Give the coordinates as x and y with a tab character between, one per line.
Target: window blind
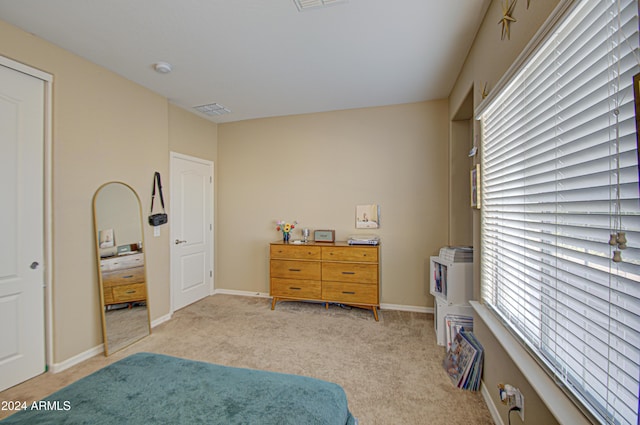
559	160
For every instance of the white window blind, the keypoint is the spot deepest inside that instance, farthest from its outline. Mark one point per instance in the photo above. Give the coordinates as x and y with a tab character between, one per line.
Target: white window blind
559	176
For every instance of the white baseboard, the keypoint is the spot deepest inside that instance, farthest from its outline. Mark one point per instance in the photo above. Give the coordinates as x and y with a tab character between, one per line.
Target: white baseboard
417	309
493	410
78	358
160	320
241	293
400	307
98	349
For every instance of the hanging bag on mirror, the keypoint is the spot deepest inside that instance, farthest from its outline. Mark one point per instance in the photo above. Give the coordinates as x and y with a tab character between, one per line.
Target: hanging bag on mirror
158	218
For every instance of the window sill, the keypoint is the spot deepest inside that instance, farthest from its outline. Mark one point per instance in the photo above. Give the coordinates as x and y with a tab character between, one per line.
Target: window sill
560	406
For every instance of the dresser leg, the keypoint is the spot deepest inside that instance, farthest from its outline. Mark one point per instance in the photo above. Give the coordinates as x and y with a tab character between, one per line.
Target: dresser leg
375	312
273	303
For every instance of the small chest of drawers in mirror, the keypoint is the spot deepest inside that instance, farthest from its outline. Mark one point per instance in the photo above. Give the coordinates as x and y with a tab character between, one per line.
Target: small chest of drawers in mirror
123	279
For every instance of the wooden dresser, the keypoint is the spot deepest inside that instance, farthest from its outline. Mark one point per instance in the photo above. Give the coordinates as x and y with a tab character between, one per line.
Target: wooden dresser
123	279
327	272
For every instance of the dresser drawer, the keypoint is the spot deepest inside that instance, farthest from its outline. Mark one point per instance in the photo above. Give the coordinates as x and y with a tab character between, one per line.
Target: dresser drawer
295	252
122	262
350	272
295	269
126	293
350	253
295	288
123	277
354	293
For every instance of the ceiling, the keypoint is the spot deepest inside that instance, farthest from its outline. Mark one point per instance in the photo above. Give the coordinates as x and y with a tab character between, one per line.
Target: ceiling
264	58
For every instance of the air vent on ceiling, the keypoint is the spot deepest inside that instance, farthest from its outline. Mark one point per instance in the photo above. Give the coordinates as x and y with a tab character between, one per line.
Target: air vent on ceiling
311	4
213	109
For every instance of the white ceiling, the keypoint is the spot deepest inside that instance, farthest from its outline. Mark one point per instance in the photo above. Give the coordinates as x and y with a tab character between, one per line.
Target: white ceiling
263	58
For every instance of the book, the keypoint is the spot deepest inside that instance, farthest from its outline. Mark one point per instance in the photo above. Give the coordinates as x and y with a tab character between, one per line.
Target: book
453	324
463	362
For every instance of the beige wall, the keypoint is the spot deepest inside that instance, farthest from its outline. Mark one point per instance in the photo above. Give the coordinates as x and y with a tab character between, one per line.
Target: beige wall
104	128
488	60
315	169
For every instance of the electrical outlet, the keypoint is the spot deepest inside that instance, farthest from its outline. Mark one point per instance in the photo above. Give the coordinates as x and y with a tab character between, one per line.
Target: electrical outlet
156	231
518	401
512	397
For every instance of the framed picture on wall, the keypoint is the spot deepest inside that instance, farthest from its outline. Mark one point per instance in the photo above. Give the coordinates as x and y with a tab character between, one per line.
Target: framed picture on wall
107	239
368	216
475	187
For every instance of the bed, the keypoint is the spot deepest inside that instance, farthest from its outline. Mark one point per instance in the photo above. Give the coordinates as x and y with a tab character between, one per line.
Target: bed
148	388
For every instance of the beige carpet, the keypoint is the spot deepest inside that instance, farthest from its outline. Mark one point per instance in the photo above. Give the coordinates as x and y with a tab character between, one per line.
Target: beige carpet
391	370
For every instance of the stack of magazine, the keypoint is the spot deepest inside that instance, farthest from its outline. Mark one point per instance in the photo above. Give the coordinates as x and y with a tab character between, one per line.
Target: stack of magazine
453	324
463	362
457	254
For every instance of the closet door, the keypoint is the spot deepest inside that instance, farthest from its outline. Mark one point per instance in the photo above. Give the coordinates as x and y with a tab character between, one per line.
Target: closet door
22	351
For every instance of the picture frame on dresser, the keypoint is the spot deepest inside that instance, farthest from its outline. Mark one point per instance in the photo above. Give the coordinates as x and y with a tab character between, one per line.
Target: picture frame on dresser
324	236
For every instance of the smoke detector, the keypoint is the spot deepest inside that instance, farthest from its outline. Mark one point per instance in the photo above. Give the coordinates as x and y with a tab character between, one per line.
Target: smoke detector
162	67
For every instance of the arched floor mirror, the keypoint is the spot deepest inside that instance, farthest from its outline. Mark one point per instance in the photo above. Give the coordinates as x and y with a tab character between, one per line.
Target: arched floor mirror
117	219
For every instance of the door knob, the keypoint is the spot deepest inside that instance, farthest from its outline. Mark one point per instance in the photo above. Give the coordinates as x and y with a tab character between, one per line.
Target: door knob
34	265
178	242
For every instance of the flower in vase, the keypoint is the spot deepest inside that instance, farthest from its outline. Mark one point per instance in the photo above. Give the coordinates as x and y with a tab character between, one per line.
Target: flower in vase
285	227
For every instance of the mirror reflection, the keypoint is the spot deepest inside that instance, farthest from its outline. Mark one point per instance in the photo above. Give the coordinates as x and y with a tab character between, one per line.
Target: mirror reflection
121	264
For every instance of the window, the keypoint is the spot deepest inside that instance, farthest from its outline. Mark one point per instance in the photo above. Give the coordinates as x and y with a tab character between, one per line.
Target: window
560	177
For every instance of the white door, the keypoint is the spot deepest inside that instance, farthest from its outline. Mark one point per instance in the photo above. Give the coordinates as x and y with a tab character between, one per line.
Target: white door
191	223
22	340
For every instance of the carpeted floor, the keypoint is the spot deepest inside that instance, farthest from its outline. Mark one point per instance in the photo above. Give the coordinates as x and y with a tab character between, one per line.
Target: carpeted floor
391	370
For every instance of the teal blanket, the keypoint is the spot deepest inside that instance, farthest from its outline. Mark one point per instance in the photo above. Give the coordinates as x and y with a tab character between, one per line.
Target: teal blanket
147	388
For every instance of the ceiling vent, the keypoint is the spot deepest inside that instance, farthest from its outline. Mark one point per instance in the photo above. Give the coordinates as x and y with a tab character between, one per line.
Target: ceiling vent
312	4
213	109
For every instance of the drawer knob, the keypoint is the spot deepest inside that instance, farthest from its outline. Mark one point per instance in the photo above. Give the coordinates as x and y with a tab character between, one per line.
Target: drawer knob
294	288
348	292
131	292
348	272
294	270
127	277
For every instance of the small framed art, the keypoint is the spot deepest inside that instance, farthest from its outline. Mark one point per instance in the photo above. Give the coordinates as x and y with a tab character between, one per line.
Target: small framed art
475	187
368	216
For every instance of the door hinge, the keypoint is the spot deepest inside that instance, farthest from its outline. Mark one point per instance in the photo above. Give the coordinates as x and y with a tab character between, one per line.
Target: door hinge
210	273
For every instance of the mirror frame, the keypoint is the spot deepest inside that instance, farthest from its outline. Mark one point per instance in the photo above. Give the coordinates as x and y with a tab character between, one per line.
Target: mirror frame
96	231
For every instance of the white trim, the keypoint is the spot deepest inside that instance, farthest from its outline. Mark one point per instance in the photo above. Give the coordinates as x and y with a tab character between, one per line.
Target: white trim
413	308
98	349
47	189
26	69
398	307
160	320
241	293
493	410
560	406
78	358
541	35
